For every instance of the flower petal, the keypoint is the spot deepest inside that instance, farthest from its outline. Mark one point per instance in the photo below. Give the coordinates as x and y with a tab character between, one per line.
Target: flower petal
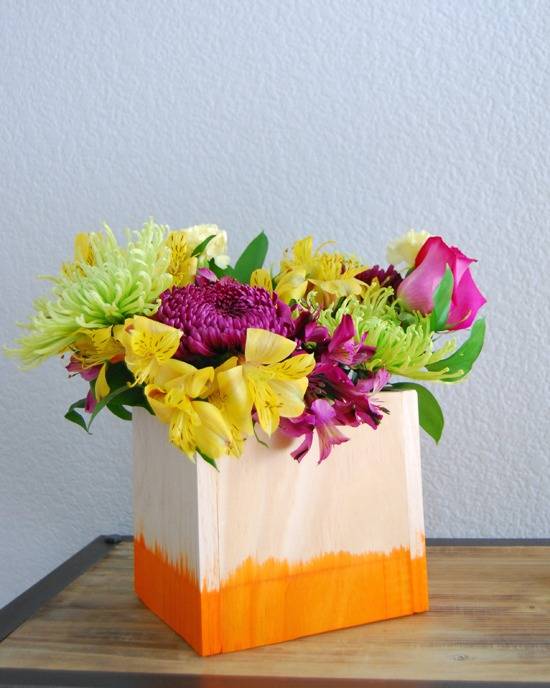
236	399
101	386
294	368
261	278
266	405
152	338
292	285
170	370
463	311
264	347
213	435
289	396
300	451
156	396
418	288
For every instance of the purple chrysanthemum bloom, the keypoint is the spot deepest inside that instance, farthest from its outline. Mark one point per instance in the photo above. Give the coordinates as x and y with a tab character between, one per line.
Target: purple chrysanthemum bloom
214	315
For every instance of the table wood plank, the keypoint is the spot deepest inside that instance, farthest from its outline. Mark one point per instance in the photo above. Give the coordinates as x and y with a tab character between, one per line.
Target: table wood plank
489	621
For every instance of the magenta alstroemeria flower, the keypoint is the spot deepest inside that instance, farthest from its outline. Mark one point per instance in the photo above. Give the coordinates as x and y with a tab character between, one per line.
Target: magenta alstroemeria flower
307	330
356	405
91	402
352	406
87	374
343	348
353	401
320	417
75	367
418	288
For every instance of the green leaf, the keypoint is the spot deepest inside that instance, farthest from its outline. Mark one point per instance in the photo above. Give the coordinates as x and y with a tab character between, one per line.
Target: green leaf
208	460
119	411
442	301
118	375
251	258
464	357
75	417
134	396
199	248
220	272
430	415
104	402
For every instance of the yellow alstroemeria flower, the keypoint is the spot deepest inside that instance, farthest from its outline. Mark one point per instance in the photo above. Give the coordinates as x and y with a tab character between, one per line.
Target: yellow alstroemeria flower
83	253
231	395
83	250
148	345
176	397
93	347
98	347
261	278
182	242
271	381
183	266
329	275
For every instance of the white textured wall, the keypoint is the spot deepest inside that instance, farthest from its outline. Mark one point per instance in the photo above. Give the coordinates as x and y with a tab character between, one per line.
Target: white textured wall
353	120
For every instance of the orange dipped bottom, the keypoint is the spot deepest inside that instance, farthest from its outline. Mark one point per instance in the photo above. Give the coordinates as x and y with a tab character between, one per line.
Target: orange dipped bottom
260	604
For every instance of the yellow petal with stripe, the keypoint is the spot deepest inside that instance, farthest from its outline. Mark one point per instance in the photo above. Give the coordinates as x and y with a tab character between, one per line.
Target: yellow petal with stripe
156	396
290	396
264	347
152	338
170	370
295	367
235	401
292	285
213	435
261	278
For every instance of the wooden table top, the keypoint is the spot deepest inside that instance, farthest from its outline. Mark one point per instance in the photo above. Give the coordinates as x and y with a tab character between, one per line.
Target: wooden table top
489	622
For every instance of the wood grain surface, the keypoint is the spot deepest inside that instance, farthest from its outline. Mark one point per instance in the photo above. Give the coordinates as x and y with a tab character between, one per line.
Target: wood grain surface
489	621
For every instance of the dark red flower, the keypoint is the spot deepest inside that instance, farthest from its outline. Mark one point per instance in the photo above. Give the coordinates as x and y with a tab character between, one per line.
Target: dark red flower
386	278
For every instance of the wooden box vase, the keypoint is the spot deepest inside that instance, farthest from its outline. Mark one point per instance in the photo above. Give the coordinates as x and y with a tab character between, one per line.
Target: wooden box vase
266	549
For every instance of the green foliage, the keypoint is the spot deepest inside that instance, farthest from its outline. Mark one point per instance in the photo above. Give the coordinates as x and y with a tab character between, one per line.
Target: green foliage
251	259
430	414
118	375
464	358
442	301
119	411
200	247
208	459
75	417
123	394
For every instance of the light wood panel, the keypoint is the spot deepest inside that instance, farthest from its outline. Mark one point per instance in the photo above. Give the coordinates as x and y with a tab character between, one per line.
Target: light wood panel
489	620
267	549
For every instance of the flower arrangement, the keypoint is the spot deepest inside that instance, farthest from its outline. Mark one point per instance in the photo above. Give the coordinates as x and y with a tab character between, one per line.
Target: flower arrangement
214	350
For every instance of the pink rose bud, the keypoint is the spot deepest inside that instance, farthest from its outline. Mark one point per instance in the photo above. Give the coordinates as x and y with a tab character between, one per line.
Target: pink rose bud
418	288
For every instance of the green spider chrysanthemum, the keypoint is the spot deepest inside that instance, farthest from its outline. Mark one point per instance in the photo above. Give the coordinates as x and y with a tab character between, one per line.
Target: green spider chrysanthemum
103	286
401	350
